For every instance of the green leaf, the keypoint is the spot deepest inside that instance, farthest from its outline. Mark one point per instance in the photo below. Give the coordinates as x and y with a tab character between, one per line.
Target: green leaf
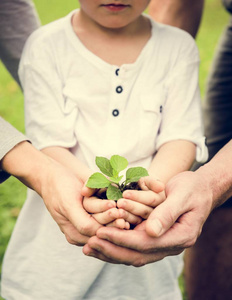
116	179
134	174
113	193
97	181
104	165
118	163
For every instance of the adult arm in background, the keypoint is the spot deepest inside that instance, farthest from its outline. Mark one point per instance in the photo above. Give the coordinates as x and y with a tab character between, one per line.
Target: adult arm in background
18	19
176	223
184	14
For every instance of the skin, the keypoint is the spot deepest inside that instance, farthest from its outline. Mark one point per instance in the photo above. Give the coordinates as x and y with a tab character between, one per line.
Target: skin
51	179
142	203
133	211
161	230
57	185
106	210
176	223
114	15
207	268
178	13
60	190
95	21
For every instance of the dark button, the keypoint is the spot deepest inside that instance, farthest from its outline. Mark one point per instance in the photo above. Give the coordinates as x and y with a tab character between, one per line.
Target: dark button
161	109
115	112
119	89
117	71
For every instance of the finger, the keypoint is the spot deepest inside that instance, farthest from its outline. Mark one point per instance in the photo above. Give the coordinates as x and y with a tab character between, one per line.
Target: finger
176	239
82	221
135	208
88	192
119	223
149	183
87	250
94	253
72	235
109	252
146	197
107	216
164	216
130	218
96	205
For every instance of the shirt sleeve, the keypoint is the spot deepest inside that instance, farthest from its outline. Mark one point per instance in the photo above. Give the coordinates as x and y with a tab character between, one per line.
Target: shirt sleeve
48	120
9	138
182	113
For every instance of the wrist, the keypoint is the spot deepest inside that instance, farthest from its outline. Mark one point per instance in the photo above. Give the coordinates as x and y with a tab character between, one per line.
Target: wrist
27	164
217	181
64	157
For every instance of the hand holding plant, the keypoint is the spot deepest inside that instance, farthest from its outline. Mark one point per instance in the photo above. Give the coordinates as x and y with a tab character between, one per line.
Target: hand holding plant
136	198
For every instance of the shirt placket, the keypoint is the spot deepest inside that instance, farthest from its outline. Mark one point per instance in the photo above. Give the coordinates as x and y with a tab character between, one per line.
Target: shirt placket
118	94
117	105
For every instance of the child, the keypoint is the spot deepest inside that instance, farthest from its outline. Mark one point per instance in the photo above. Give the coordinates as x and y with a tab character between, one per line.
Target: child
104	80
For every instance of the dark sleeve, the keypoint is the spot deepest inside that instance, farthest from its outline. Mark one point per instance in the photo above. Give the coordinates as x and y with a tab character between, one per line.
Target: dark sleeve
9	138
18	19
228	5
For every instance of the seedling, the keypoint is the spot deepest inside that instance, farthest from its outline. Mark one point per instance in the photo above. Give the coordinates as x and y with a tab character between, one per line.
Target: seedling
114	183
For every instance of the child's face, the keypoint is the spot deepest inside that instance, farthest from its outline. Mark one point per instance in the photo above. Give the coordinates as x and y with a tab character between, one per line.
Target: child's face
113	13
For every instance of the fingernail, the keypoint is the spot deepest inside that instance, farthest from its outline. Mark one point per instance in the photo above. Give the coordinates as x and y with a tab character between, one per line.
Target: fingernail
88	253
126	194
92	254
111	204
156	226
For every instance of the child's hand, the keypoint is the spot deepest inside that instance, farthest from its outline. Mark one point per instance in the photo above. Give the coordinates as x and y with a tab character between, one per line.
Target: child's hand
135	207
105	211
142	202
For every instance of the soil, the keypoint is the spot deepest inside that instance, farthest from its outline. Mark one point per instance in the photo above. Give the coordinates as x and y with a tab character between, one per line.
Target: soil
131	186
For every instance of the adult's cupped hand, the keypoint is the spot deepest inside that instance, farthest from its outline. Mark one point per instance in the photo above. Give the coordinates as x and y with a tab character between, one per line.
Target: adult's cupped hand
173	226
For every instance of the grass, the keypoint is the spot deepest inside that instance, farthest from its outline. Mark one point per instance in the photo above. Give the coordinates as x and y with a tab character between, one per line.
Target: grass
213	23
12	192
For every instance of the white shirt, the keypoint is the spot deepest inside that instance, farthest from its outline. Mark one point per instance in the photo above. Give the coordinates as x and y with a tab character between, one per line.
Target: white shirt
75	99
70	95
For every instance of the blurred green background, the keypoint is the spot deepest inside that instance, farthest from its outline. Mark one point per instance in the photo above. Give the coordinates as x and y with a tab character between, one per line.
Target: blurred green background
12	192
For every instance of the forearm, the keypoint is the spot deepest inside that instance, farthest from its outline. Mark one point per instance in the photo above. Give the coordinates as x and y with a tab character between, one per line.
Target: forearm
67	159
9	138
27	164
172	158
217	175
185	14
57	185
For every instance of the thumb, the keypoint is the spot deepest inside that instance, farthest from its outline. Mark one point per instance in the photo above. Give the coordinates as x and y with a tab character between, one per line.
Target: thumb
87	192
163	217
149	183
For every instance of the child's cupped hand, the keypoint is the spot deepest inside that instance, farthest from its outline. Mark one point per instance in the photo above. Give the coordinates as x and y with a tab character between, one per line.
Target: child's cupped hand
131	210
142	202
106	212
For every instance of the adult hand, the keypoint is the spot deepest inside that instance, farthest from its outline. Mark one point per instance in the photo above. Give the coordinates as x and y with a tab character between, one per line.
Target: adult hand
57	185
61	192
173	225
